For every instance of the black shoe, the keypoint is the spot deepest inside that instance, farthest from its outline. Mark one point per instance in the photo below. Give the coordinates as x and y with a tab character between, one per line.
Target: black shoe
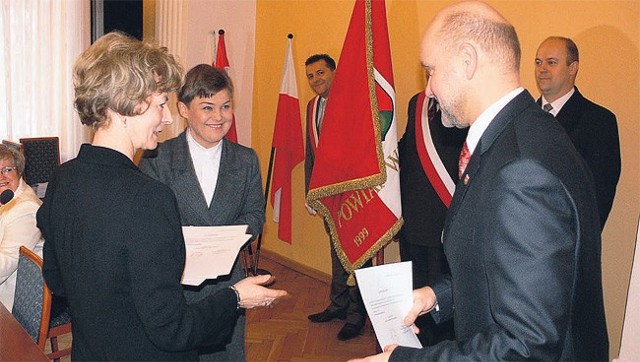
350	331
326	316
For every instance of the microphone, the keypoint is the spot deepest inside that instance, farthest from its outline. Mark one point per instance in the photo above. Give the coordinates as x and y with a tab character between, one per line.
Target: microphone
6	196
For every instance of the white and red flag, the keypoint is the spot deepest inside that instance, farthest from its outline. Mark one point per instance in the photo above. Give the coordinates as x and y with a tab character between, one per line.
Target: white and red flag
223	63
355	183
288	145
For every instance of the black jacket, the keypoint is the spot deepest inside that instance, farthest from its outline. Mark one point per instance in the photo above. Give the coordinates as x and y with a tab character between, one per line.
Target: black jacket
522	239
593	130
114	247
422	209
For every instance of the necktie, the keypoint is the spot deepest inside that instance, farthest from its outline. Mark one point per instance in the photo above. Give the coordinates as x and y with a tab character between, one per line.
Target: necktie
320	116
547	107
465	155
432	108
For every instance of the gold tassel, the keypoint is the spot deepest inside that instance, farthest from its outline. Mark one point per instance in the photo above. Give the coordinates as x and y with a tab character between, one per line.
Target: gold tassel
351	280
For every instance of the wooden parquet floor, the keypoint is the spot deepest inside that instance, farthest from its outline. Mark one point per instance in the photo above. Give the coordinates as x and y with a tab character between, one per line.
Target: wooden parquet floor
283	332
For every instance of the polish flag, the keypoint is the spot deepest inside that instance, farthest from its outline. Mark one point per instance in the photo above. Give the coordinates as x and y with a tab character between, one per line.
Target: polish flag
288	145
223	63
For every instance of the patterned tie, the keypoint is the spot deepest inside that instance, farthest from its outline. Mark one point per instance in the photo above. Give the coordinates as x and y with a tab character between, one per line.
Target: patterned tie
547	107
465	155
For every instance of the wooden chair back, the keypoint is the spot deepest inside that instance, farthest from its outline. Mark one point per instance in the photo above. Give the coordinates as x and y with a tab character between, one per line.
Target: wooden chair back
32	305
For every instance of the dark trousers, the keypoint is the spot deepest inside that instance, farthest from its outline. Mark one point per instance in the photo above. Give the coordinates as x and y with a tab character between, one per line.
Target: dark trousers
234	350
344	297
428	264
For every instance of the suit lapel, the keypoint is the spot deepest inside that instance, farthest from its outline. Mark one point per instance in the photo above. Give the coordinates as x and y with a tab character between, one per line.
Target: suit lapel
493	131
501	120
568	115
189	193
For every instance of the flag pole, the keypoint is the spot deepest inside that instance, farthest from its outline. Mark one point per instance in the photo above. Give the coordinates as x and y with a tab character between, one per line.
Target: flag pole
215	56
256	270
248	268
214	46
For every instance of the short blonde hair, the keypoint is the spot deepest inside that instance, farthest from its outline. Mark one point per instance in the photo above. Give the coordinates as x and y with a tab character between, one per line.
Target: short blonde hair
119	72
15	156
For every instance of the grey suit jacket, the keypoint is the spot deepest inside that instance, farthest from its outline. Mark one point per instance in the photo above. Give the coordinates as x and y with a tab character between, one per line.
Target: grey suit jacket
238	199
522	238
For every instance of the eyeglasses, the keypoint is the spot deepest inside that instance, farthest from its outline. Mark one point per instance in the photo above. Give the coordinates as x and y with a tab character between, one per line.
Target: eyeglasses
6	170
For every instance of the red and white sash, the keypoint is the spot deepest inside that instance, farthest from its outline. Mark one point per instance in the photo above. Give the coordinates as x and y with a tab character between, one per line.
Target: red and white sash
429	158
312	128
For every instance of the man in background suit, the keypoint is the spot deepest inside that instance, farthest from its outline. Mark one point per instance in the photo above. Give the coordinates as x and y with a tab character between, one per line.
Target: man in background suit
592	128
428	173
522	236
216	182
346	302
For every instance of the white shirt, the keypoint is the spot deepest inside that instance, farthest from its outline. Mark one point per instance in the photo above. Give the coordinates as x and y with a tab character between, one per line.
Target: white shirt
558	103
321	107
484	120
206	163
17	228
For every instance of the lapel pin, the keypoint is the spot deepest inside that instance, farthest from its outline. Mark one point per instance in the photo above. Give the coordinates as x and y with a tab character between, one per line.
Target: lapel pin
466	179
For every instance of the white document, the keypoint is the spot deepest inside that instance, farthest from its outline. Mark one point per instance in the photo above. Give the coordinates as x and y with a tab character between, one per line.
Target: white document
40	189
387	293
211	251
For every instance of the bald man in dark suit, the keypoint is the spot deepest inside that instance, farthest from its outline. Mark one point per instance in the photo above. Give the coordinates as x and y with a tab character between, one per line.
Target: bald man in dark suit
593	129
522	235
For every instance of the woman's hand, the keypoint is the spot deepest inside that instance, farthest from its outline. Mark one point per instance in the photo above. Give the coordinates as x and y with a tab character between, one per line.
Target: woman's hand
252	294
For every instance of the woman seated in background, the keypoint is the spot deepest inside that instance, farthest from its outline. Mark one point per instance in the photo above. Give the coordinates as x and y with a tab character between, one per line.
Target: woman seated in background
18	207
114	243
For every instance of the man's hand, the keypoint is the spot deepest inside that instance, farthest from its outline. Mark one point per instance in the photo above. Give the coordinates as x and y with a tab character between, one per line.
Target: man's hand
380	357
310	210
424	300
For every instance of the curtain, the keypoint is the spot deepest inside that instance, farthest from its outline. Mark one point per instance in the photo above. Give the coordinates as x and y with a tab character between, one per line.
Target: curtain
170	32
39	42
629	346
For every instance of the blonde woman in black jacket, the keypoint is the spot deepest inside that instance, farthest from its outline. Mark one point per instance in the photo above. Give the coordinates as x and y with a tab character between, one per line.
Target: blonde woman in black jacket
114	245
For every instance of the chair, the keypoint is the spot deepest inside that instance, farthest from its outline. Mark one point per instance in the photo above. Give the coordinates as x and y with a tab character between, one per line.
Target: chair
32	305
42	158
247	259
